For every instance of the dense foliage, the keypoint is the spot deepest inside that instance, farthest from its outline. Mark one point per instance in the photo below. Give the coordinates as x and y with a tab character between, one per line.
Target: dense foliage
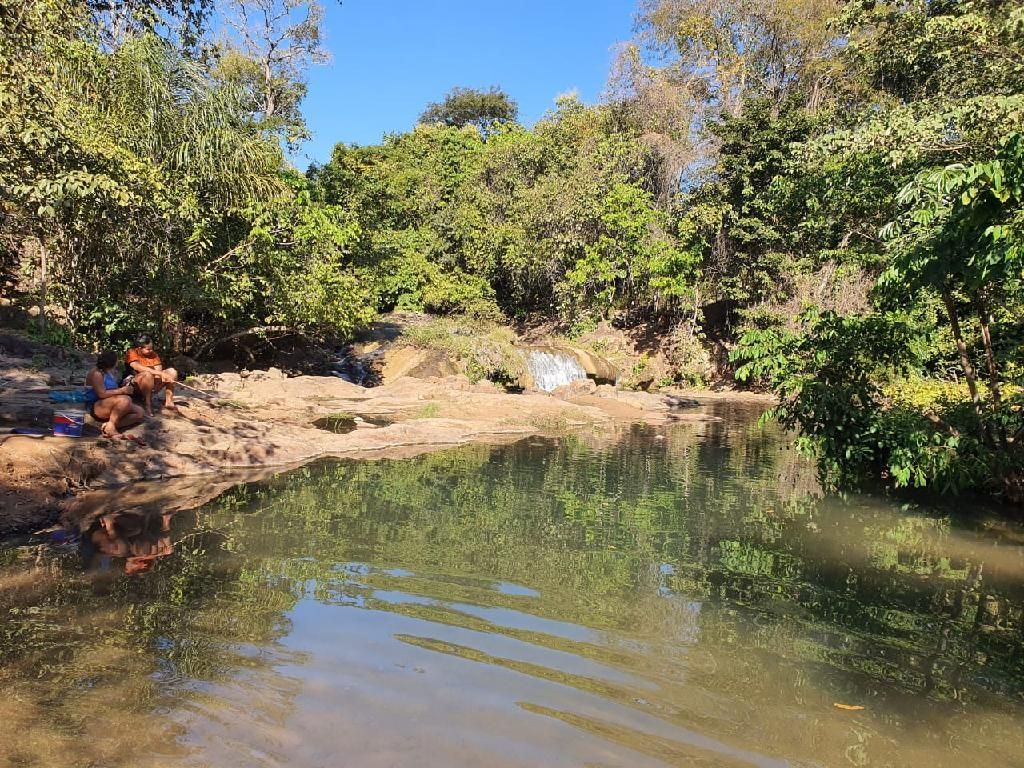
928	178
560	218
144	187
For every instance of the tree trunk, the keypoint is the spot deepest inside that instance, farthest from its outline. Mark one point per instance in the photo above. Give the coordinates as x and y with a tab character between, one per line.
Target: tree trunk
737	107
985	320
995	385
269	101
965	361
42	287
696	310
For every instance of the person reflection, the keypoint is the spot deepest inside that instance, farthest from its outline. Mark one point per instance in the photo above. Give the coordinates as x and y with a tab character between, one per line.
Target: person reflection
139	538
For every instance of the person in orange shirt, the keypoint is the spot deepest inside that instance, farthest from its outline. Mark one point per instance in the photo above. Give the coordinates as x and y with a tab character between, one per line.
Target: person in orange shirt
147	373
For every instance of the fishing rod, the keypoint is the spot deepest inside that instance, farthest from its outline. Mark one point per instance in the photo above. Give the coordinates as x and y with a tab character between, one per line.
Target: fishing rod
189	387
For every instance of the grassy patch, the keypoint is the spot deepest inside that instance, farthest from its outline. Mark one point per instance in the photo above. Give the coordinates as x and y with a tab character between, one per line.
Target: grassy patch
340	416
429	411
483	349
237	405
923	393
549	422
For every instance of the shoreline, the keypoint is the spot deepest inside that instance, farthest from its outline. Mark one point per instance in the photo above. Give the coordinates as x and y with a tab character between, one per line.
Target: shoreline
263	424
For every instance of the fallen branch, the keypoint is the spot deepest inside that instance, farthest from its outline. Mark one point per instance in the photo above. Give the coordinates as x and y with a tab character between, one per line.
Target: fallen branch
949	428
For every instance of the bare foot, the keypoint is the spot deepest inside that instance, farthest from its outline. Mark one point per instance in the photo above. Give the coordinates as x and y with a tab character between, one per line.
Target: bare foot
109	431
171	408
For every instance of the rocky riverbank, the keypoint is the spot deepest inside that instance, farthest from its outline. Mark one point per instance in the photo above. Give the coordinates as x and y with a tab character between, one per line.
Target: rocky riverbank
263	421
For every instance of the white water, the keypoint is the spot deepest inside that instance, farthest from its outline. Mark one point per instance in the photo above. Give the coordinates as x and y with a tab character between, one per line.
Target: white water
553	369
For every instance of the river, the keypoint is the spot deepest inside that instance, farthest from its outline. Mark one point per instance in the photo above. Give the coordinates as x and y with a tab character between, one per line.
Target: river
674	596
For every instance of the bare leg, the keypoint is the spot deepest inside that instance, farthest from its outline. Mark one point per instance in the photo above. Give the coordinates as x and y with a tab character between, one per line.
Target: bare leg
170	382
113	410
134	415
146	382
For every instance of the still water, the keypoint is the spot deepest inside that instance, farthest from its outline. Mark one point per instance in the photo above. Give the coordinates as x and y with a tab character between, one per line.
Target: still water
677	596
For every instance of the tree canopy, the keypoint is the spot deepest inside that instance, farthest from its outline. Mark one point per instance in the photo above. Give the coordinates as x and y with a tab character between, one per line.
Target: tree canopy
469	106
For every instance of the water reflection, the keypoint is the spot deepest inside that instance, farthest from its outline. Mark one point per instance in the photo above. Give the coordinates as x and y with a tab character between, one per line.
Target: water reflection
136	538
677	597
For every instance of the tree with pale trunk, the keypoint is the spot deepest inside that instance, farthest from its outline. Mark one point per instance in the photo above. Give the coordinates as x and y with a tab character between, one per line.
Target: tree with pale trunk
269	45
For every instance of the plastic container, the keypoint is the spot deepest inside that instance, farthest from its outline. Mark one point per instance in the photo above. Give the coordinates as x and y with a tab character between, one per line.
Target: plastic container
67	423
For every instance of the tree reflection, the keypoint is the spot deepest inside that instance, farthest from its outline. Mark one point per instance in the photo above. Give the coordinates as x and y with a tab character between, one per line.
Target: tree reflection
702	558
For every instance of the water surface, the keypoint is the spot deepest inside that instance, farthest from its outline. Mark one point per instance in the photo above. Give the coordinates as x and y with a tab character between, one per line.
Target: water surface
678	596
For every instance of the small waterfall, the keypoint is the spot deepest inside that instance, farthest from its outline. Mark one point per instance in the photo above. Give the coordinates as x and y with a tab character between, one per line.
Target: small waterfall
553	369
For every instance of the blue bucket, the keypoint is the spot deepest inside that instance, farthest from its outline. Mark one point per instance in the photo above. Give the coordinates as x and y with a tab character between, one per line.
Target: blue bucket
68	423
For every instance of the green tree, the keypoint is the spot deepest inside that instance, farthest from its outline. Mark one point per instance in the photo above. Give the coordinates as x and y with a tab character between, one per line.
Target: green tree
724	52
933	161
146	192
185	20
469	106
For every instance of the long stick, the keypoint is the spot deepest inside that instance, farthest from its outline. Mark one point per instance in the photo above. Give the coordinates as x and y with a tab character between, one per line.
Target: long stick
193	389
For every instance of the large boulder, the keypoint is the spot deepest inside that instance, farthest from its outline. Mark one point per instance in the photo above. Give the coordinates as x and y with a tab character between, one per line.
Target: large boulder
574	389
401	361
597	368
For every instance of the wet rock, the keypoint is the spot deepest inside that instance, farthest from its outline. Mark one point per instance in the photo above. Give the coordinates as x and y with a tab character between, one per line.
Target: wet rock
675	401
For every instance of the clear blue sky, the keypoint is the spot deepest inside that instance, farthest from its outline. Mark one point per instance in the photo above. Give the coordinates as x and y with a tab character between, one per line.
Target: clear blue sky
392	57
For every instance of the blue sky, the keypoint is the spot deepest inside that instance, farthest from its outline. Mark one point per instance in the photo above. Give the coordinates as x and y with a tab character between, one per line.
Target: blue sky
392	57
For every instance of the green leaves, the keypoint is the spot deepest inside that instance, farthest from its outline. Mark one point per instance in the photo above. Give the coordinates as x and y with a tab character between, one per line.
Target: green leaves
557	219
129	163
961	224
468	106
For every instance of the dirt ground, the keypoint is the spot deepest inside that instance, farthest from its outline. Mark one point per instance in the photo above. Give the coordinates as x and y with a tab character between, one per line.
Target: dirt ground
262	422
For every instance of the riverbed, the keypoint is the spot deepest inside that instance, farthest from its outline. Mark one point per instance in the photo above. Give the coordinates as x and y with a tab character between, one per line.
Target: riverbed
672	595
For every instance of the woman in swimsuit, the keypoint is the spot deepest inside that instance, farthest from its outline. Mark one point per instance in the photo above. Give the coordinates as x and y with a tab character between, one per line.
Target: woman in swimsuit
108	403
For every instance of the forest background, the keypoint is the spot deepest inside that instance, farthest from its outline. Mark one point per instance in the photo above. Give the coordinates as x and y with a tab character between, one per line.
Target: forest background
816	196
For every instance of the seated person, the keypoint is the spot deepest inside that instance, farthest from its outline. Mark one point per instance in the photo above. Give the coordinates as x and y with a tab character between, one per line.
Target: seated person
147	373
108	403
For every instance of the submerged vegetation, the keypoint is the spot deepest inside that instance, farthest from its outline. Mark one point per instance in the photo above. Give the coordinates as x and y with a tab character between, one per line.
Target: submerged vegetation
829	191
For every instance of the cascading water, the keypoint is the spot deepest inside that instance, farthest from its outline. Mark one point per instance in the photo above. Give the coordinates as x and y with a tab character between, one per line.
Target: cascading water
553	369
